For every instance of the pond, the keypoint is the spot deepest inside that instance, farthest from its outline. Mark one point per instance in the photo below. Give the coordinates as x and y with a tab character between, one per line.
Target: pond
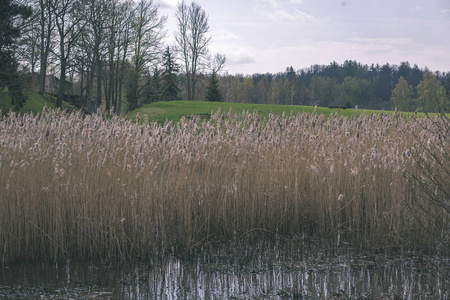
243	276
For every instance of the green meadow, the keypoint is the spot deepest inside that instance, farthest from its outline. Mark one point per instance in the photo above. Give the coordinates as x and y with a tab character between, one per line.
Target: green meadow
175	110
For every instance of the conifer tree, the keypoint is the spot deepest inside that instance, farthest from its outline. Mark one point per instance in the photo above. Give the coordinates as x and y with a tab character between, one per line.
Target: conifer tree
214	93
153	88
170	87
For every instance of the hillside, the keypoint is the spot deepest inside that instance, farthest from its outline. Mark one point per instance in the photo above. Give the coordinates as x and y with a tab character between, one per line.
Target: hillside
175	110
34	104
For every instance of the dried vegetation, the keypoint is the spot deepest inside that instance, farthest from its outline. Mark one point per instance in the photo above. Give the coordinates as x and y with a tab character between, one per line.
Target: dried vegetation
92	187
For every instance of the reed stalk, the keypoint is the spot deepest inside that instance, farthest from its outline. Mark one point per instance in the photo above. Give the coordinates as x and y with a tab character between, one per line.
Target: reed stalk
89	187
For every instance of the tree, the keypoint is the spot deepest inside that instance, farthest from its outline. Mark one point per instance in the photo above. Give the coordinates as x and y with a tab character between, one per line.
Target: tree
96	16
27	49
11	15
247	90
170	87
324	90
214	93
402	95
112	24
262	90
152	90
192	42
67	22
431	95
101	53
383	83
354	91
123	45
277	93
46	29
147	34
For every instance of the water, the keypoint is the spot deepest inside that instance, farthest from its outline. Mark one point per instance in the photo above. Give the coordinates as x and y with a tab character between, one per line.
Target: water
273	276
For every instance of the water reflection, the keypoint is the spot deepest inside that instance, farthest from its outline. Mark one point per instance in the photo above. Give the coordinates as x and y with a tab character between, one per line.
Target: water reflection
317	277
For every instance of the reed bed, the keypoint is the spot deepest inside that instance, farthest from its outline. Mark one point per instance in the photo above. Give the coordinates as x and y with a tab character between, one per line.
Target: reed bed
89	187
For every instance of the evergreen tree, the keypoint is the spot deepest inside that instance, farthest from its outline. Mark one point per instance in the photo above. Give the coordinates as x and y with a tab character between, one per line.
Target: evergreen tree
9	32
214	93
132	91
170	87
152	88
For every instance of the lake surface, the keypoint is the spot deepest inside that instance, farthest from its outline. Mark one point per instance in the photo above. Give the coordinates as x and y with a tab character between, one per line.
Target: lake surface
242	276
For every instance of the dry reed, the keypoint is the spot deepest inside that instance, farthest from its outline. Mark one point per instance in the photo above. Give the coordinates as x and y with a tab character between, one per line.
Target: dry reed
91	187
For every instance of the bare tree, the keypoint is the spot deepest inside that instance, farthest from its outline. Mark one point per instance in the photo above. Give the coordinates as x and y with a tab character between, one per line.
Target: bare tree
67	23
193	41
113	21
103	49
218	63
47	26
123	47
93	42
147	36
35	44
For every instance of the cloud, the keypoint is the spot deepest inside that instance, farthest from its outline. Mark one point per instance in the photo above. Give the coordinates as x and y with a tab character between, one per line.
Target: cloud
272	3
304	16
169	4
382	41
272	9
284	15
365	50
226	35
445	11
241	56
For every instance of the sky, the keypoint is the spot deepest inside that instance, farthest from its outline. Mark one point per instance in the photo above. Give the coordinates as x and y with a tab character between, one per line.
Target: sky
261	36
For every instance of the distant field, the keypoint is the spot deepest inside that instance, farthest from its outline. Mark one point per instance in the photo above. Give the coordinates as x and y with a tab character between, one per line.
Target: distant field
175	110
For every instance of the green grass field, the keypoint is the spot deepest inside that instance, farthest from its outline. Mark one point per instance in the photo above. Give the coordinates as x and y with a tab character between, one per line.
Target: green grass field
175	110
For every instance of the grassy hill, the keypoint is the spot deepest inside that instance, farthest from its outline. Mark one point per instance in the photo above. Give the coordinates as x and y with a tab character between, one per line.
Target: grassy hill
175	110
35	102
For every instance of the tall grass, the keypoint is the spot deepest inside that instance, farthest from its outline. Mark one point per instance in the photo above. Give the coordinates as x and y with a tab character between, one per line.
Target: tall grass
91	187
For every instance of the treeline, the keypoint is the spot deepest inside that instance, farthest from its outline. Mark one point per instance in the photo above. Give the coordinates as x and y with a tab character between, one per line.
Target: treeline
112	53
406	87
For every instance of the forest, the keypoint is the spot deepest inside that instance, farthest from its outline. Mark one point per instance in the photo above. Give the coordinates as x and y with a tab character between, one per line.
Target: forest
113	55
406	87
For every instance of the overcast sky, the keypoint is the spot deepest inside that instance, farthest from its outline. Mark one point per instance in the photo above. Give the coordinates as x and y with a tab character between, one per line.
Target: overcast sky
260	36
